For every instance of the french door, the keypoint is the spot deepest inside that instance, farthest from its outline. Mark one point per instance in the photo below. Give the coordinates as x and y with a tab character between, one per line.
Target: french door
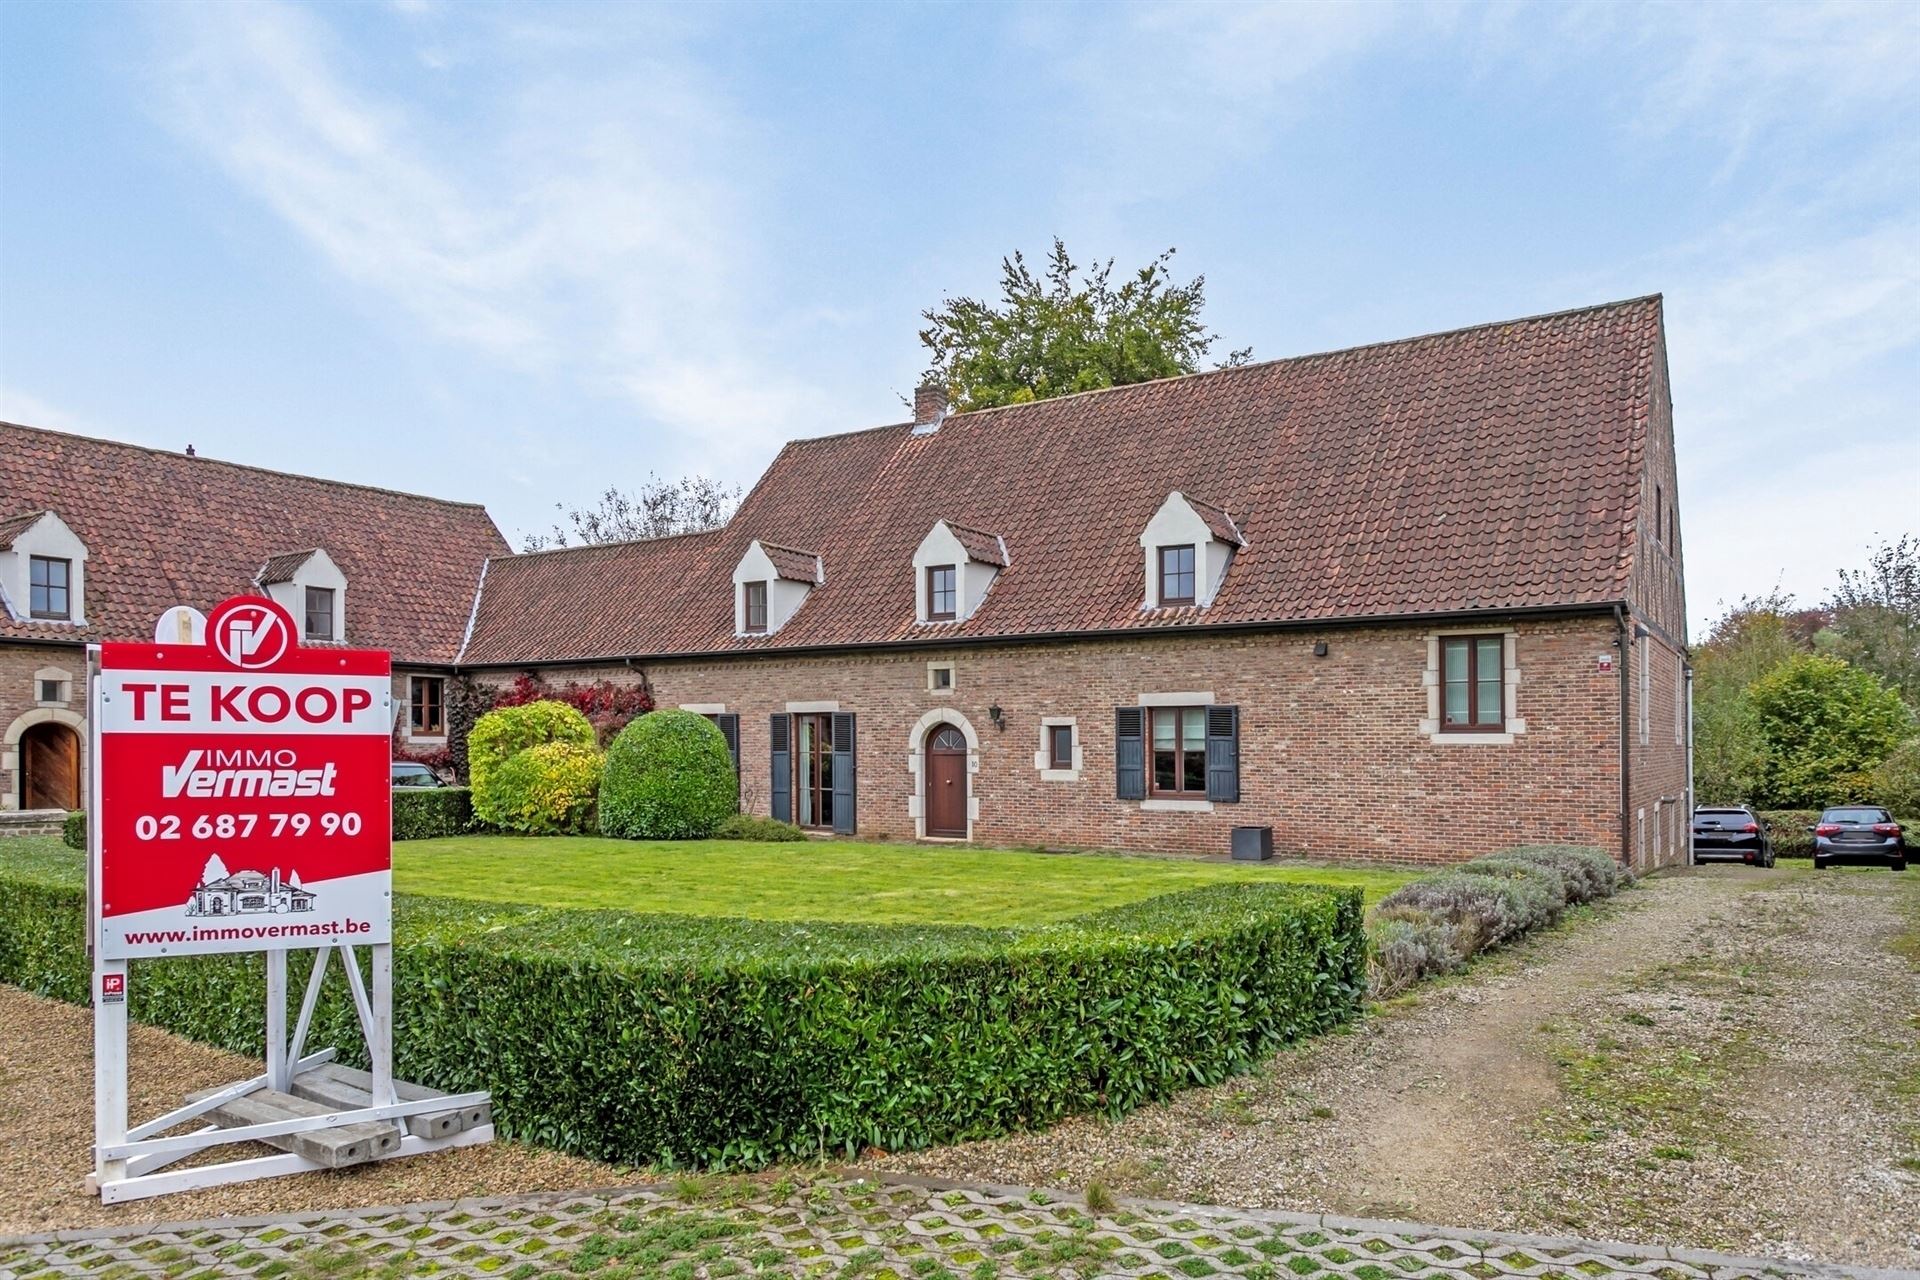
813	770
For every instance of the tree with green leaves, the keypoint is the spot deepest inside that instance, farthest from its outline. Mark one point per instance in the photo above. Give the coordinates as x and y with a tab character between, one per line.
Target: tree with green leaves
1729	755
1876	617
657	509
1824	727
1066	330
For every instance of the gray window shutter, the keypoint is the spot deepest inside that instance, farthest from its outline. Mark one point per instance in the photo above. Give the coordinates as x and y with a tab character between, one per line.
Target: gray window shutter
729	724
1130	753
843	775
781	790
1223	753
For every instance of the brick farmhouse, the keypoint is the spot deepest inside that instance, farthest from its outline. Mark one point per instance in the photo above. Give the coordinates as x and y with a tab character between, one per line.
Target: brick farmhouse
1411	601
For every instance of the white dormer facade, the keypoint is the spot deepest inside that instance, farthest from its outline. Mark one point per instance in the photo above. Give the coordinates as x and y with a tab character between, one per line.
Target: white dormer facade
288	580
976	560
1187	522
769	586
61	573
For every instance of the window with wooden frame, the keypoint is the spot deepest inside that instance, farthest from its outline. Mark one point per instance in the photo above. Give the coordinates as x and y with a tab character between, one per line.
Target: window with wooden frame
1176	575
1473	684
756	607
427	702
1059	746
943	596
1178	766
319	623
50	587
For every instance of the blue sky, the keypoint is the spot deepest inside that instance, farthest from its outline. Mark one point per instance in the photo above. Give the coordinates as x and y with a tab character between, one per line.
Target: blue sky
515	253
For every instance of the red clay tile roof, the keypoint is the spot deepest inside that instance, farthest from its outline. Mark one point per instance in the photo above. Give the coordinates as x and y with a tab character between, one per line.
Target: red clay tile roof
282	568
163	529
13	526
1484	469
1218	522
790	563
980	545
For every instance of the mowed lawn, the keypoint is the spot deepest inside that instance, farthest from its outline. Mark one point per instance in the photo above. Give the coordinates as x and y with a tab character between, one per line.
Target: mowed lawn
822	880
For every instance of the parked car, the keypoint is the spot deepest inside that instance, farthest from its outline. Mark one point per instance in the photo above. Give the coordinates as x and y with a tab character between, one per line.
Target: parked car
1732	833
408	774
1858	833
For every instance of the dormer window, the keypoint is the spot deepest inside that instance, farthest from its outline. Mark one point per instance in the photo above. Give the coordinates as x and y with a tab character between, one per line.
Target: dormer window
942	592
1176	575
310	586
319	614
955	566
43	570
770	584
1187	546
50	588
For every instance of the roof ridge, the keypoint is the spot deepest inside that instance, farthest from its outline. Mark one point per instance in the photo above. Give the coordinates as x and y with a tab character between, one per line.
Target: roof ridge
246	466
610	543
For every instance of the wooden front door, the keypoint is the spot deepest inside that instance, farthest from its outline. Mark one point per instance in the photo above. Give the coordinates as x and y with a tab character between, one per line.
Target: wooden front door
946	782
50	768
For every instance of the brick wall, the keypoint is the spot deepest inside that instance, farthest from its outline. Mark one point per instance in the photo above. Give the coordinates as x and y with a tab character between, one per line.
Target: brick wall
21	706
1332	754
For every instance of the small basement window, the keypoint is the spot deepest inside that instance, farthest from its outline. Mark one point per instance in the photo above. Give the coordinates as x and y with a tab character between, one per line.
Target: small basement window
940	677
53	691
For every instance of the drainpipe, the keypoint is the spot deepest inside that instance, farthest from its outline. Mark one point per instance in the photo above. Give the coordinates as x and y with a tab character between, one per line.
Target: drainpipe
1686	670
1626	760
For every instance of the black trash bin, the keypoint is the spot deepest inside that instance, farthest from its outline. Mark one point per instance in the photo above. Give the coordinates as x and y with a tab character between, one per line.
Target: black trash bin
1252	844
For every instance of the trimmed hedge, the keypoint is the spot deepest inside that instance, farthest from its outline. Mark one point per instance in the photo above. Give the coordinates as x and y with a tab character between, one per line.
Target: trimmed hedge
747	826
669	776
1437	923
422	813
692	1040
74	830
500	735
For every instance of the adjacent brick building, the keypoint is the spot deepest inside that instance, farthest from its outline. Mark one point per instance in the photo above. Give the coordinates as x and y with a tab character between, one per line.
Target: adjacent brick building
1409	602
98	539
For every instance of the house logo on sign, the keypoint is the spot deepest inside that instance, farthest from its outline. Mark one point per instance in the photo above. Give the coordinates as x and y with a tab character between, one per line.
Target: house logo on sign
251	634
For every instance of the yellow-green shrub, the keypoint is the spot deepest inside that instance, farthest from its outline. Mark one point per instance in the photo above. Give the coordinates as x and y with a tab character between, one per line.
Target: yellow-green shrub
546	790
501	734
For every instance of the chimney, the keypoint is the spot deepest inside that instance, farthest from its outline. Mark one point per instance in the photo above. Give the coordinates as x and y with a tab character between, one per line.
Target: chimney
189	451
929	407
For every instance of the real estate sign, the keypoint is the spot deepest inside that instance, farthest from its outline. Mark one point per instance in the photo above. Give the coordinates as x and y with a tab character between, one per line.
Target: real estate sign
244	791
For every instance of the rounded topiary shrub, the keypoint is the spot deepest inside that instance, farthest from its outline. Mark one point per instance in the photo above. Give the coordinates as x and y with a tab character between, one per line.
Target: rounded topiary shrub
668	776
501	734
546	790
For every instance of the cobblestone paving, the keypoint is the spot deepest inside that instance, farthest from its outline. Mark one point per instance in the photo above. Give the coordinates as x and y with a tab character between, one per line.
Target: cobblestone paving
841	1227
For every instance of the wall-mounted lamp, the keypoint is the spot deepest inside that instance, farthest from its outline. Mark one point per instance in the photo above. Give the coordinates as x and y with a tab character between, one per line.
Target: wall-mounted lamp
999	721
1319	648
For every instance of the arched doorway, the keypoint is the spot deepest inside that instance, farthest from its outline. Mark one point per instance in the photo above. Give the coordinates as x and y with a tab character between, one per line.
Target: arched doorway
49	767
946	780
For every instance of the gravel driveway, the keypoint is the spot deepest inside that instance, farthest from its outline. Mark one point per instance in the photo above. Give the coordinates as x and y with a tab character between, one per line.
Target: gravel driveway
1725	1058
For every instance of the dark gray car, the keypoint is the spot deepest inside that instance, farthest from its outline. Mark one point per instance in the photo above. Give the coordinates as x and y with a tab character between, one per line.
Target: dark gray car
1858	833
1732	833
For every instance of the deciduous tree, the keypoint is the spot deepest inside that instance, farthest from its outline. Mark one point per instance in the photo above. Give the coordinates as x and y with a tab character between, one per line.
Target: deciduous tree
658	509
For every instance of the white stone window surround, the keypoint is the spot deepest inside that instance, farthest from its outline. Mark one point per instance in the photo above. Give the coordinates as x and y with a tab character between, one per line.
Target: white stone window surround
319	571
1177	524
1043	758
1510	709
916	768
784	595
10	748
705	708
59	675
51	538
1166	804
972	579
936	689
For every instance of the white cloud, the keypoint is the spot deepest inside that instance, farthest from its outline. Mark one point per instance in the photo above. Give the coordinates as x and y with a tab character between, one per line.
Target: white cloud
585	226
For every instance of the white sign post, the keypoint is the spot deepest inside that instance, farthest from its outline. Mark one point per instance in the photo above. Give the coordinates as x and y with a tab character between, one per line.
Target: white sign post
239	799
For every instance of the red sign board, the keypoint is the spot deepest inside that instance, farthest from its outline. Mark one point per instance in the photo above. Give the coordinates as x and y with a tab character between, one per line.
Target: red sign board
245	791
